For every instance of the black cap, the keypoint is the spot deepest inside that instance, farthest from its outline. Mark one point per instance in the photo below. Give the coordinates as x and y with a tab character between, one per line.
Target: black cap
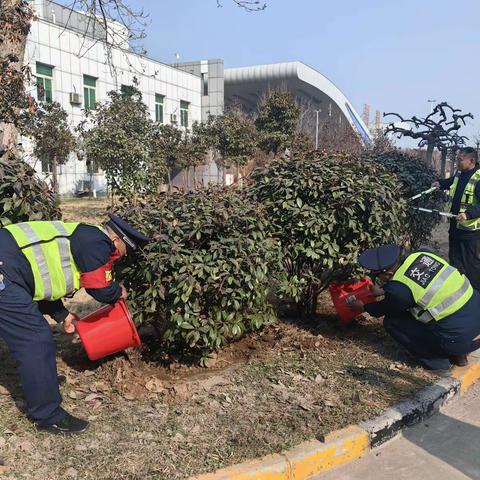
132	238
381	258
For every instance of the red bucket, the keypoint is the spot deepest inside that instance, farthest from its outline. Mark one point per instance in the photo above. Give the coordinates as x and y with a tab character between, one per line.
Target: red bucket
108	330
341	293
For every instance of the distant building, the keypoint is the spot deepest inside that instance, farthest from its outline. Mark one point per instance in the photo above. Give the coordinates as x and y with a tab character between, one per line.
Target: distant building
313	90
68	57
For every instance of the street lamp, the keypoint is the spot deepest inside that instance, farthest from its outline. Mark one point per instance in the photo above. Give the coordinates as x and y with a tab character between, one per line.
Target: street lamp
430	102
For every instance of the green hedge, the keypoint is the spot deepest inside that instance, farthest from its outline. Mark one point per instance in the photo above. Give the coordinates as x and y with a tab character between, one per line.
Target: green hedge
414	177
23	196
204	278
324	210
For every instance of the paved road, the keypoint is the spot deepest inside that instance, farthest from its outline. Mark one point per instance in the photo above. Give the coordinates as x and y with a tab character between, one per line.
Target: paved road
444	447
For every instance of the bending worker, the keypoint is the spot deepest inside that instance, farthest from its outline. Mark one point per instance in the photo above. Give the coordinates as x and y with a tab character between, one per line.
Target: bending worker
429	306
464	201
41	262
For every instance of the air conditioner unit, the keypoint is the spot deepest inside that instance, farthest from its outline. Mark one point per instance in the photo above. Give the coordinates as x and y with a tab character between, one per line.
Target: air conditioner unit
173	118
75	98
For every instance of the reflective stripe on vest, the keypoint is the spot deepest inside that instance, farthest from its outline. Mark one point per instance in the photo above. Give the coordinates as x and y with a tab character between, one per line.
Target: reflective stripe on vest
468	198
438	289
46	246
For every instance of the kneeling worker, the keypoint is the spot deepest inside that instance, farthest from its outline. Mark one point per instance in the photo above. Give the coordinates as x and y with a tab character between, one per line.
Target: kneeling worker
41	262
429	306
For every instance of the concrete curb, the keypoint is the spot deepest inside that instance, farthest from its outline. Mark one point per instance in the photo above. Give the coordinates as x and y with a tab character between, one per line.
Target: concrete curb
343	446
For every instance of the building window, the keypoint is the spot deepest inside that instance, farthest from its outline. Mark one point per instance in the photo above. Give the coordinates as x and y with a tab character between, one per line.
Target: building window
92	166
44	82
205	83
159	108
184	113
89	92
46	166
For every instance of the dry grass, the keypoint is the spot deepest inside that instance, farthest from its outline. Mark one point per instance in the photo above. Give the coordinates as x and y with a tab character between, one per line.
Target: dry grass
158	419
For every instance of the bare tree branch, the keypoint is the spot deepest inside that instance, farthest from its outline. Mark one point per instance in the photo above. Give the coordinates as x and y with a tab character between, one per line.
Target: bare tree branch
249	5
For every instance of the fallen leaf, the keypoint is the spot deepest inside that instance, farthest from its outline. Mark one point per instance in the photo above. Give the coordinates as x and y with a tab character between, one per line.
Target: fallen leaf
178	437
3	442
128	396
214	381
25	446
71	472
195	429
4	391
319	379
92	396
154	385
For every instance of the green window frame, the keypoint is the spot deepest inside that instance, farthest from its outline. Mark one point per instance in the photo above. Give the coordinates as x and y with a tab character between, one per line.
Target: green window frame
44	76
184	113
159	107
90	92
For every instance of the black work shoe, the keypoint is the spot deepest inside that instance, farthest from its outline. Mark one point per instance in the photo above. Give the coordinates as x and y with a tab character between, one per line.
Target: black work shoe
459	360
442	372
69	425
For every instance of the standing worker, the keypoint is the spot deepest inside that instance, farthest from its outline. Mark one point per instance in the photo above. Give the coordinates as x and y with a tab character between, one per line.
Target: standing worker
429	306
40	263
464	201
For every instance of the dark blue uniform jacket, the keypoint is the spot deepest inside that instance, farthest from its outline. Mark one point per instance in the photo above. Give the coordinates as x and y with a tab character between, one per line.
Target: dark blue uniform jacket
91	249
472	211
462	326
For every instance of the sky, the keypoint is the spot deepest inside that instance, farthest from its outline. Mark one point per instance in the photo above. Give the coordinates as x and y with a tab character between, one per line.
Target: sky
393	55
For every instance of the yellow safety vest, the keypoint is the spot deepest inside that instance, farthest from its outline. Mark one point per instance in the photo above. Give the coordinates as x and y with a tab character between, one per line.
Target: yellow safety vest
468	198
46	245
439	290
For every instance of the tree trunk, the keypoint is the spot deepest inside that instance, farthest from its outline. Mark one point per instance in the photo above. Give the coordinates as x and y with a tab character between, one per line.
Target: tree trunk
16	46
430	148
194	177
443	164
169	180
54	174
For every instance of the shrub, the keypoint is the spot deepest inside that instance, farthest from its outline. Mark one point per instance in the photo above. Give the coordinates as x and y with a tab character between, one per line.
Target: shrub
23	196
324	210
204	278
415	176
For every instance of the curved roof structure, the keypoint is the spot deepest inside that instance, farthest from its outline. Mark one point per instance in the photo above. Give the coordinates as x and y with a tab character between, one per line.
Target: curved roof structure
247	84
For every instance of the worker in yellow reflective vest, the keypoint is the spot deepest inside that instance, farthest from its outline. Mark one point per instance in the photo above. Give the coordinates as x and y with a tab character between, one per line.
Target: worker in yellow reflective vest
428	306
464	201
40	263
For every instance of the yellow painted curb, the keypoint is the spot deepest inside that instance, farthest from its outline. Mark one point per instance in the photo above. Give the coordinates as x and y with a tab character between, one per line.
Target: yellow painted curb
302	461
468	375
271	467
340	447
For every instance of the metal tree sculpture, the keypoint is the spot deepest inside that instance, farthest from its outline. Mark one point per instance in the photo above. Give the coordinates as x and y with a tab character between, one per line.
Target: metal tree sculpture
437	130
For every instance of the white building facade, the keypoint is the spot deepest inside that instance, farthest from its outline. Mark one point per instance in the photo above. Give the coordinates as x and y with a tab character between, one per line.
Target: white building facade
71	68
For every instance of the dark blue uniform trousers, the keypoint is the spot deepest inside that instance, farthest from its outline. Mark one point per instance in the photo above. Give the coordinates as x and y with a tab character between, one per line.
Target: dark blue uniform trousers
30	340
425	342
